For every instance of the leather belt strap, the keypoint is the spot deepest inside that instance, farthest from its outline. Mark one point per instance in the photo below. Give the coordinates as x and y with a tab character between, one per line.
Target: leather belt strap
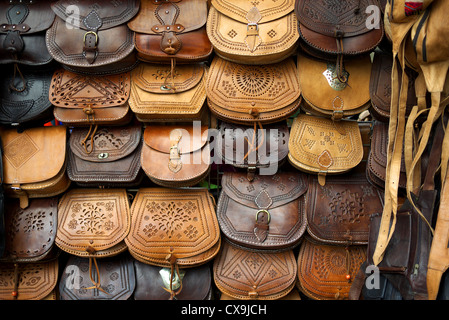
174	163
252	39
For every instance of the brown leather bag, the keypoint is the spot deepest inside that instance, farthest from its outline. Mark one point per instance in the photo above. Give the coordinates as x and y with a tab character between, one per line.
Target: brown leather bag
264	149
166	30
83	100
173	228
321	146
253	32
94	38
267	213
111	158
22	32
247	94
40	147
326	271
245	274
176	156
160	92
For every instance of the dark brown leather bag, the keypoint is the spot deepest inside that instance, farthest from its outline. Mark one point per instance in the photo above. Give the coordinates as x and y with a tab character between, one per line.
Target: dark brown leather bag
266	213
22	31
111	158
94	36
166	30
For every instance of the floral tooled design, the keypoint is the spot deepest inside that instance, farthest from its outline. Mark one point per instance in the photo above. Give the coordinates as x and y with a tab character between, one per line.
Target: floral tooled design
92	218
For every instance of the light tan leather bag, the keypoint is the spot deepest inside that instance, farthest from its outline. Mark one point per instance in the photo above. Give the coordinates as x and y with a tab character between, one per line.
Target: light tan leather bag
249	94
253	32
34	162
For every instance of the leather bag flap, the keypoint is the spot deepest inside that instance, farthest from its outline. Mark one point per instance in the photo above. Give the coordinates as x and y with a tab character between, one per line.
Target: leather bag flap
33	18
190	138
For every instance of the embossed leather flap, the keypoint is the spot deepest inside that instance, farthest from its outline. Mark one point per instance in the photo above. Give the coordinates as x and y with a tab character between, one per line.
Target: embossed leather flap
40	147
170	226
116	142
31	231
188	138
28	281
154	16
93	221
340	212
241	93
254	275
96	15
325	272
27	17
336	99
321	146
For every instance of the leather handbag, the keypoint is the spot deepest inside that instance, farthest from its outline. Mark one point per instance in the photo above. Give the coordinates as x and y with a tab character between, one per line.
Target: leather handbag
265	214
2	206
173	228
161	93
90	100
30	232
251	32
94	36
28	281
22	32
24	99
111	158
264	149
116	275
336	30
153	283
245	274
326	271
318	145
336	99
23	152
171	30
247	94
339	212
176	156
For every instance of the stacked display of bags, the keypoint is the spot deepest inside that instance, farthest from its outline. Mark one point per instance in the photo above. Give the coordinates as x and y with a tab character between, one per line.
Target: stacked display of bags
223	149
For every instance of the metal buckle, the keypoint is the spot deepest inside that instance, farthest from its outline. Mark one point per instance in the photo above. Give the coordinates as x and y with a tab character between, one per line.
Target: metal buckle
266	211
91	32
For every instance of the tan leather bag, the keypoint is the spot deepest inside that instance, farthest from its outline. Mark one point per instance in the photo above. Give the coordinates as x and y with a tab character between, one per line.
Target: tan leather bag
336	99
253	32
176	156
160	92
248	94
40	147
321	146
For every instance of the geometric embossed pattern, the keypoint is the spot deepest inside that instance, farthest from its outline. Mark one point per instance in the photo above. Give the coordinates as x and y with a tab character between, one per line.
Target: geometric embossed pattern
20	150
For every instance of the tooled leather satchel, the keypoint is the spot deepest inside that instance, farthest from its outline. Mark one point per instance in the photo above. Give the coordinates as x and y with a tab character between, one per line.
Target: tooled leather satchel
321	146
173	228
336	99
253	32
90	100
93	36
336	30
24	99
267	213
326	271
247	94
264	149
116	275
171	30
111	158
246	274
162	93
23	152
23	24
153	282
176	156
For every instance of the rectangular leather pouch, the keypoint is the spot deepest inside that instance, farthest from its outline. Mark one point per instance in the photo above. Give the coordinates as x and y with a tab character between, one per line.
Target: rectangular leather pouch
267	213
166	30
40	147
160	92
253	32
176	156
111	158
